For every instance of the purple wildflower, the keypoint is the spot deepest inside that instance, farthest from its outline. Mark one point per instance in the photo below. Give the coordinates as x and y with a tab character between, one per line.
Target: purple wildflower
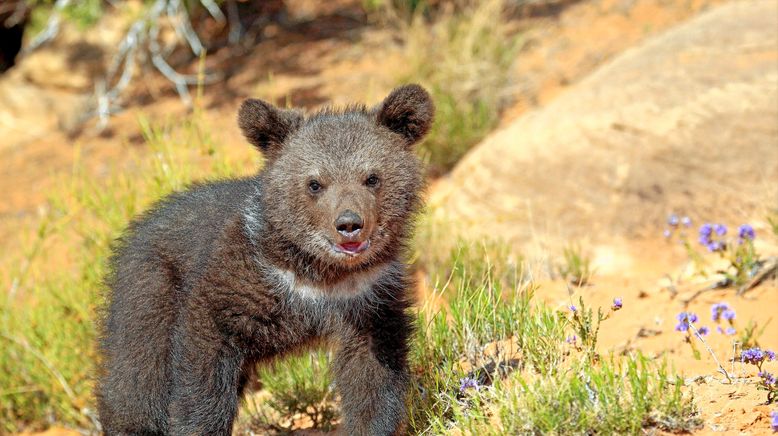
728	315
686	221
684	319
672	220
770	355
767	378
717	309
754	356
703	331
715	246
572	308
774	421
617	303
730	331
571	339
745	231
720	229
667	233
719	329
468	383
706	231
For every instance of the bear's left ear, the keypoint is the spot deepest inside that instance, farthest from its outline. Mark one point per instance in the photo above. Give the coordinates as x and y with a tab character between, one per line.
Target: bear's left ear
266	126
407	111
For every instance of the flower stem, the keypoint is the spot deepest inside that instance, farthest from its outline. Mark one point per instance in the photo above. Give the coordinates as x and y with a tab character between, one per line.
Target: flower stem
721	368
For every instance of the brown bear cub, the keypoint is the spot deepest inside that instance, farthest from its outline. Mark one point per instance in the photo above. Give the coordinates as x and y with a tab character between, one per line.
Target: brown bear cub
225	275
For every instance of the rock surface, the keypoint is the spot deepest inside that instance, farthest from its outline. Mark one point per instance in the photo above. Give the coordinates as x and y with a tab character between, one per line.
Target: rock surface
686	122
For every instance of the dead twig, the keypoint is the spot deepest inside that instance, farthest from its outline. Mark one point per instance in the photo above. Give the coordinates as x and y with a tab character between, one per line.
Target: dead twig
52	27
140	45
721	284
710	350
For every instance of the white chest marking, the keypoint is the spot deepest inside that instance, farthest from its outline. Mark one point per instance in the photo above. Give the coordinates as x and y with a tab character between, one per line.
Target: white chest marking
356	285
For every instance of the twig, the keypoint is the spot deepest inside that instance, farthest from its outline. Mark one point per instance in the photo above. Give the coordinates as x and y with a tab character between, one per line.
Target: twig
165	68
214	10
723	283
236	29
721	368
141	43
183	26
52	27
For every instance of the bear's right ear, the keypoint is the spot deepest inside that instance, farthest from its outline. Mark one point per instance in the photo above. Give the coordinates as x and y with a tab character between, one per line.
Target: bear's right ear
267	127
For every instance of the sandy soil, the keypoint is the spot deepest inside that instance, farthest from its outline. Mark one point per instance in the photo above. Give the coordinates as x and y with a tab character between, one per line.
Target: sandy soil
647	323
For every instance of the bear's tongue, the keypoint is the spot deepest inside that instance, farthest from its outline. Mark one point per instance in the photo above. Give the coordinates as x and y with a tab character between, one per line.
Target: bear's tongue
351	246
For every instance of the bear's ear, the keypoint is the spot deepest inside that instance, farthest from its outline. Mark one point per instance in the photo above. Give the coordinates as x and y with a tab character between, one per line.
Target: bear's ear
267	127
407	111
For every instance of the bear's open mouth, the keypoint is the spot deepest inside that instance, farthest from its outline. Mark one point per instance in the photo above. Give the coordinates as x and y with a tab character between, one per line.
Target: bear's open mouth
352	248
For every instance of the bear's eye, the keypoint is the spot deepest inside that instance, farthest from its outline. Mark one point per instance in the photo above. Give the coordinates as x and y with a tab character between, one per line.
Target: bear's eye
372	181
314	186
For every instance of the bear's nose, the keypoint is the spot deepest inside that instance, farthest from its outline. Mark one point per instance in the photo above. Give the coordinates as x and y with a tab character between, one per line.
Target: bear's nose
349	223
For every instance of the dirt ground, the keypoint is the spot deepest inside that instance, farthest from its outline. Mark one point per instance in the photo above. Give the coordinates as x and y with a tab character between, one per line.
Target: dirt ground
339	57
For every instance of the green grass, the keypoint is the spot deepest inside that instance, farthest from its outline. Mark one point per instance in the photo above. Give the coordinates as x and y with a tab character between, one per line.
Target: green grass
576	267
543	384
296	388
83	13
617	396
47	329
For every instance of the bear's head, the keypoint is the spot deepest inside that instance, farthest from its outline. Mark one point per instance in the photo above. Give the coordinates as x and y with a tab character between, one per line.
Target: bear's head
341	186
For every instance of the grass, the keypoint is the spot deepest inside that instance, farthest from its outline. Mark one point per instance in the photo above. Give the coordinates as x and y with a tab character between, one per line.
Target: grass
481	324
47	329
577	267
531	380
84	14
463	56
296	390
772	219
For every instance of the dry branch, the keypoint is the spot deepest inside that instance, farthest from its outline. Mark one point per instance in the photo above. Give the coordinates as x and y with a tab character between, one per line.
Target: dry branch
142	45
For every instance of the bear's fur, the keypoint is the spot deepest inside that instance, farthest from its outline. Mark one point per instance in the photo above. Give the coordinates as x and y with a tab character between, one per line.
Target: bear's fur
225	275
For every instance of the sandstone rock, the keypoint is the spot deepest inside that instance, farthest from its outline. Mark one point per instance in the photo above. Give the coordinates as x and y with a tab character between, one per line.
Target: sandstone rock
687	122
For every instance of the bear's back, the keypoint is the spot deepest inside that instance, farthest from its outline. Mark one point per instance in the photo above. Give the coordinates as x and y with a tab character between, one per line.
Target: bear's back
181	229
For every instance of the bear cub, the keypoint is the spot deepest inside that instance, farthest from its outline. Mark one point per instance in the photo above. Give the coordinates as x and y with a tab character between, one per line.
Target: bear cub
226	275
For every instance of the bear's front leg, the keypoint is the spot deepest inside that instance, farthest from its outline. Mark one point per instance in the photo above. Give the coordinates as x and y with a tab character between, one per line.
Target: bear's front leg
206	374
371	372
